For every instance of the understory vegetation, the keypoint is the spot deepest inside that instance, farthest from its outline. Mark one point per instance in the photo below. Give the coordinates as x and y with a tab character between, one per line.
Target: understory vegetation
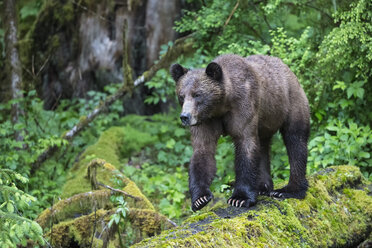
327	44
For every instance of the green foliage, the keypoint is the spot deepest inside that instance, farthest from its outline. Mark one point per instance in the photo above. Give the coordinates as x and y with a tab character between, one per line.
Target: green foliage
119	218
14	228
160	169
161	84
121	210
345	61
40	129
342	142
163	88
29	9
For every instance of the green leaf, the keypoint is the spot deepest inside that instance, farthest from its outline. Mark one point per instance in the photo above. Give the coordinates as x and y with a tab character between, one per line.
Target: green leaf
117	218
360	93
319	116
19	126
363	154
170	143
179	132
10	207
349	92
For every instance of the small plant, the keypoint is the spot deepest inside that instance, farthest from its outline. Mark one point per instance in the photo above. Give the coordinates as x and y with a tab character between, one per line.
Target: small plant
121	210
119	217
14	228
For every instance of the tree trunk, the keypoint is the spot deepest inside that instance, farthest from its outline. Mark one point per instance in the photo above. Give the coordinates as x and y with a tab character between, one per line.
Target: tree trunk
14	68
160	17
77	46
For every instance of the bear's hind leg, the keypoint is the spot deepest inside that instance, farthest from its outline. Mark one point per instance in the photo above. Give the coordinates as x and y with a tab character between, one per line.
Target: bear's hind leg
265	182
295	139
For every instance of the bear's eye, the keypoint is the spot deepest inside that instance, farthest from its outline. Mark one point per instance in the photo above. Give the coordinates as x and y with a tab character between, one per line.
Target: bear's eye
181	99
196	95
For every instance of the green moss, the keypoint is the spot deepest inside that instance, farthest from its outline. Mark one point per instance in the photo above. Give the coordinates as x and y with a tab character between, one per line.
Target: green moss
132	189
335	212
200	217
114	144
148	221
341	176
98	164
79	230
79	204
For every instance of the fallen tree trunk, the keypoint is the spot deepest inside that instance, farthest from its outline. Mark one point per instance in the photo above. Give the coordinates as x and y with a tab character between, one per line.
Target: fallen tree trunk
181	46
336	212
81	218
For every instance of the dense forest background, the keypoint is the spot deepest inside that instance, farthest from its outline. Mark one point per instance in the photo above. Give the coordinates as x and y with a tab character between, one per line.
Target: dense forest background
68	57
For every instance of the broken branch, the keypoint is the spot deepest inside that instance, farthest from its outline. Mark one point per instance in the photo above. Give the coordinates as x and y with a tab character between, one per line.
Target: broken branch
119	191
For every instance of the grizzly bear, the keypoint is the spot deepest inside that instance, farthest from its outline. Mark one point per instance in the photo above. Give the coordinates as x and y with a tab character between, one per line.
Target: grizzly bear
249	99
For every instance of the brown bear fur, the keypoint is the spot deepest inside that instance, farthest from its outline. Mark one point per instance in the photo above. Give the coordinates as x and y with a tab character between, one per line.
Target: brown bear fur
249	99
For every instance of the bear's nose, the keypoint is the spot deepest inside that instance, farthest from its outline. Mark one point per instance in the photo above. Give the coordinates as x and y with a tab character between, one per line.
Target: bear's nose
185	118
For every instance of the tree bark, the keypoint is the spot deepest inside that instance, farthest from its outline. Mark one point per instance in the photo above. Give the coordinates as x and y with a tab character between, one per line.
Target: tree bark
183	45
13	62
160	17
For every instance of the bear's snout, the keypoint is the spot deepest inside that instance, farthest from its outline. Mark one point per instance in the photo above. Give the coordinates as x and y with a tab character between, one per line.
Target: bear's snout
185	118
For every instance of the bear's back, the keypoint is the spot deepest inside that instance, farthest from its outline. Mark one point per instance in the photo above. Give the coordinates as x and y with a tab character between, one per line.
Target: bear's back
281	93
267	82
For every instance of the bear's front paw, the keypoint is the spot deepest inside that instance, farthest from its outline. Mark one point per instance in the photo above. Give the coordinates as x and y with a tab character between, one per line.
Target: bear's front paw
243	199
201	201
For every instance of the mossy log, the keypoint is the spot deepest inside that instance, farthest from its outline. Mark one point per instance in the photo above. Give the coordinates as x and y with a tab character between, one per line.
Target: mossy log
336	212
80	218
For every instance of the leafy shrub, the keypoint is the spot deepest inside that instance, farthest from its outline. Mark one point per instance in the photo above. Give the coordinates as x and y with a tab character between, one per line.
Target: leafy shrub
342	142
14	228
160	170
40	129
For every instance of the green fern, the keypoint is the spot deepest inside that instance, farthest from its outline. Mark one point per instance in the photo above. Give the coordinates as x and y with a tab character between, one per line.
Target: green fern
15	229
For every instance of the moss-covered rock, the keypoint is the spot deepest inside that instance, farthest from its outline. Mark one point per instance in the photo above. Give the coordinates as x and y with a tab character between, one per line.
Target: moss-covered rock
337	212
82	216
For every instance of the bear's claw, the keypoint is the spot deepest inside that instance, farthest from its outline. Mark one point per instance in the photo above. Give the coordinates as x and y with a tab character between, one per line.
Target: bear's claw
201	202
276	194
235	202
286	192
266	191
239	203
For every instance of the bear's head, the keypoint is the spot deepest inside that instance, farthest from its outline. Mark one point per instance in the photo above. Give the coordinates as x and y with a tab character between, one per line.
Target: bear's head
200	92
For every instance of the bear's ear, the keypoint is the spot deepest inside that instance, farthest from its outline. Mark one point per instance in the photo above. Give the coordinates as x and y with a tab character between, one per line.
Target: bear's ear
214	71
177	71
